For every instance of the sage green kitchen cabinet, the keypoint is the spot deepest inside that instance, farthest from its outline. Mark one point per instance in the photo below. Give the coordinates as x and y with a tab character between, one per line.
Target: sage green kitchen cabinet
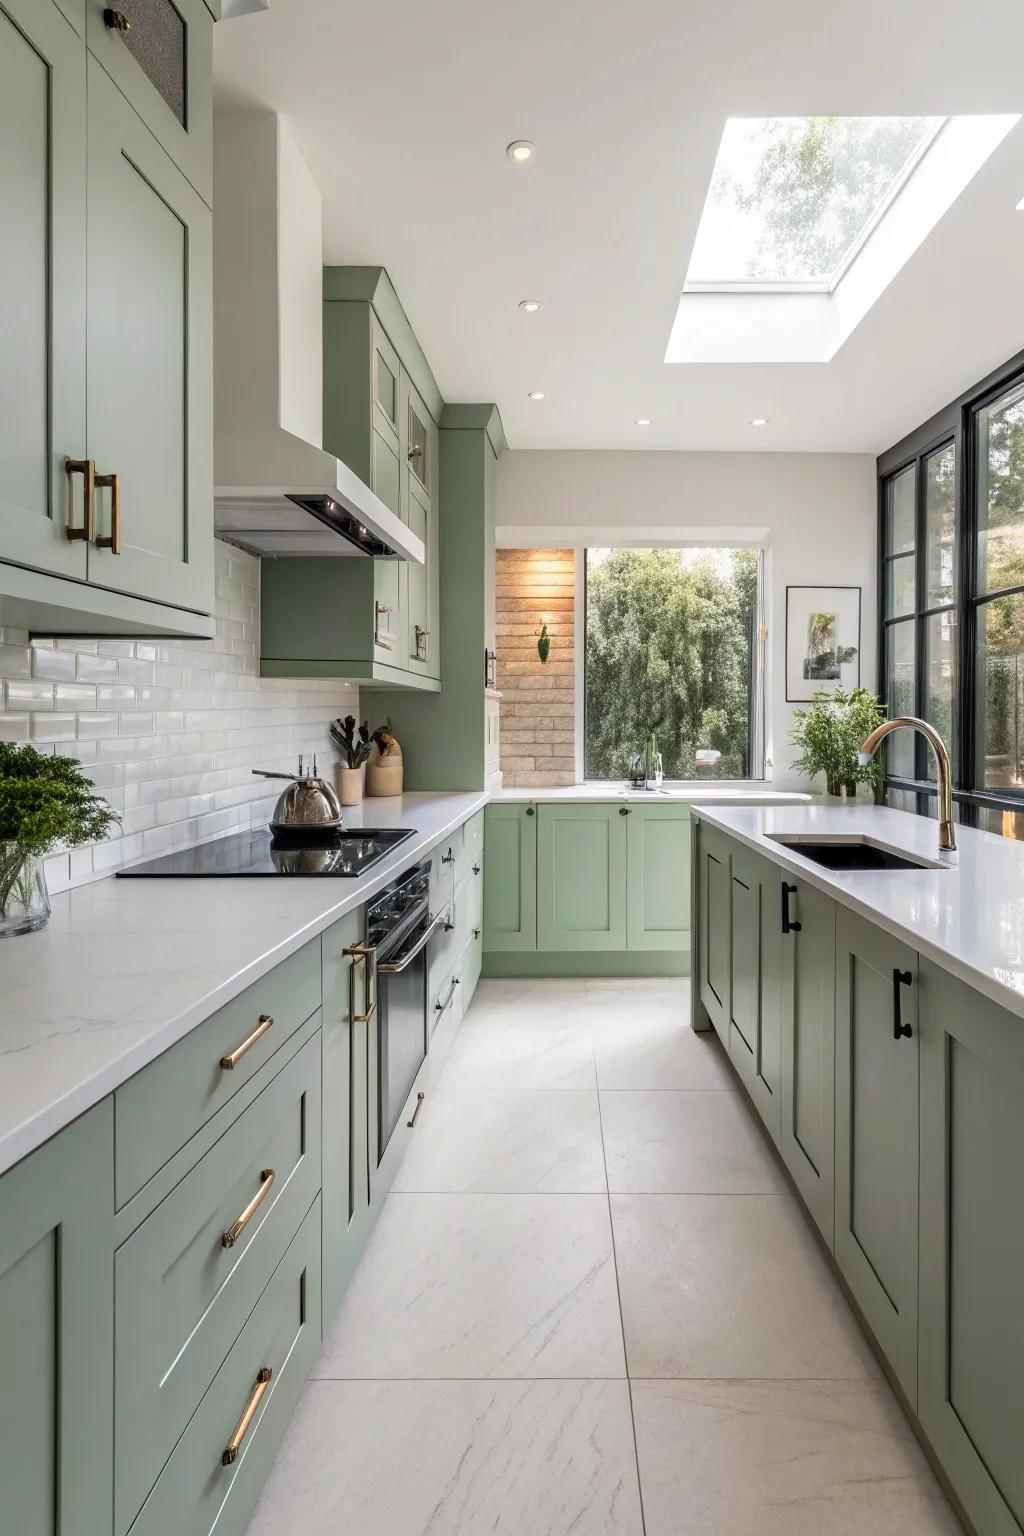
163	66
754	1039
348	990
807	1136
42	287
658	877
581	885
149	360
372	621
876	1134
510	890
971	1327
56	1333
713	875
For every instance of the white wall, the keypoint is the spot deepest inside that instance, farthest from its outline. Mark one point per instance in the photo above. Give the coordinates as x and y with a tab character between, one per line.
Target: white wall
815	515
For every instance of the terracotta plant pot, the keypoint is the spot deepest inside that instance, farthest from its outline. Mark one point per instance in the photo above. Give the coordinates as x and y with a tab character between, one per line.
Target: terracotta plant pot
349	784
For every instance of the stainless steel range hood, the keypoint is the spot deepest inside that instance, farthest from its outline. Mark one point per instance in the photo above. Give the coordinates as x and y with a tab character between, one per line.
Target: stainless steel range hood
277	491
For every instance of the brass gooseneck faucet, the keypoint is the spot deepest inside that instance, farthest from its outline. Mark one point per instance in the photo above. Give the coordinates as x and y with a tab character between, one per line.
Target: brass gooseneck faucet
947	833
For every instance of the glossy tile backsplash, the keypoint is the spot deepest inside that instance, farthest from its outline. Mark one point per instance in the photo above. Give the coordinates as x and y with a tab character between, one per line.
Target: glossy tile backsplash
168	731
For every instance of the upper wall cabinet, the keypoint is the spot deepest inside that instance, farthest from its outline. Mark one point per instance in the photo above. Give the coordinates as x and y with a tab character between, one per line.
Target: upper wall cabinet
373	621
160	55
105	309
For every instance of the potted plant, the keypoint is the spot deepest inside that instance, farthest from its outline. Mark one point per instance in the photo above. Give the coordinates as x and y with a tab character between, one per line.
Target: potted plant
354	747
830	733
44	801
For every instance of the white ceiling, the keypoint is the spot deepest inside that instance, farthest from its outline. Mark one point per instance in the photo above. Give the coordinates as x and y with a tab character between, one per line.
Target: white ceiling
403	112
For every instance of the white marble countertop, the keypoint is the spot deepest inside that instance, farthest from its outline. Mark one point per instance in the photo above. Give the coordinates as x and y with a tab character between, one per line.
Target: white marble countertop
127	967
690	794
968	917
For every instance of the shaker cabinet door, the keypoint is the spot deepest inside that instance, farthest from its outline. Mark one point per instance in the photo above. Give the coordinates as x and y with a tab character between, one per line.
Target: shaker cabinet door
755	979
807	1139
149	381
348	997
56	1333
658	877
581	877
876	1135
714	926
42	288
510	878
971	1366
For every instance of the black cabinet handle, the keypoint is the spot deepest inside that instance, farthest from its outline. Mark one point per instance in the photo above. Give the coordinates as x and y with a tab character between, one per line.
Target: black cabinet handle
623	810
788	925
476	869
529	810
899	979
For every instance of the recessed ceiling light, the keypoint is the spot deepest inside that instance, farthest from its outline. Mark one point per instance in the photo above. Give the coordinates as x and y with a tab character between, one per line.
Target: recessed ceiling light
530	305
759	421
643	421
536	394
520	150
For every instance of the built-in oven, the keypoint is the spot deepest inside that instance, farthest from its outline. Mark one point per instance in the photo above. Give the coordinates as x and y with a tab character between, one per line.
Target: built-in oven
399	926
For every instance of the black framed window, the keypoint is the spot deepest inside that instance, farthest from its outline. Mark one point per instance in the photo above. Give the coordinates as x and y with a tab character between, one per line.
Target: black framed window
951	602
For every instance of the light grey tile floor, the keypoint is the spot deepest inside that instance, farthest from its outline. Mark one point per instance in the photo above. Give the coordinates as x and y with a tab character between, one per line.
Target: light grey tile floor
589	1195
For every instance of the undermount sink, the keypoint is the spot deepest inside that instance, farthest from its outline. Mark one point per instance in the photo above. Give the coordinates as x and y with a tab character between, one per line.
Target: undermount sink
852	853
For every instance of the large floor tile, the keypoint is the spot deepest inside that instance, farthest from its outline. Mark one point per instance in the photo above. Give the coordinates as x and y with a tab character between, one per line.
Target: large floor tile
522	1051
688	1142
656	1050
455	1458
807	1458
730	1285
508	1141
482	1285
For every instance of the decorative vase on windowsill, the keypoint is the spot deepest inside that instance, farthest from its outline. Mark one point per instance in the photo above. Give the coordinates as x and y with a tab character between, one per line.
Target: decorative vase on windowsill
44	802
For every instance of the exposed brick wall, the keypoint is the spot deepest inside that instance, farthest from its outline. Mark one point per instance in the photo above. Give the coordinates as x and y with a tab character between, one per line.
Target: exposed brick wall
537	705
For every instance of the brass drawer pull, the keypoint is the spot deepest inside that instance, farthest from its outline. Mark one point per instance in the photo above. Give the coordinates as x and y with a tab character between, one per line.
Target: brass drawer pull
416	1112
113	542
231	1450
87	469
117	21
229	1238
368	955
229	1063
415	450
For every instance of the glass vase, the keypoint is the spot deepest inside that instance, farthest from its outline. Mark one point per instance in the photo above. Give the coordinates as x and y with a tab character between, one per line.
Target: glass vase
24	900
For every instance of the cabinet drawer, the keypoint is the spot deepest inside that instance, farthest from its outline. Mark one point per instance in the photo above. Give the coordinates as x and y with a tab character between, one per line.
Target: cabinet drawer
471	850
161	1107
196	1492
182	1293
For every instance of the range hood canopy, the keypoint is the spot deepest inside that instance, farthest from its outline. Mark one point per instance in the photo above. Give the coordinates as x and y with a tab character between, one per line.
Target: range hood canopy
277	491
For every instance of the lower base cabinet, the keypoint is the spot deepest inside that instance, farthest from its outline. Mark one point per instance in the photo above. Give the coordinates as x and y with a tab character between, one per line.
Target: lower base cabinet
347	1001
56	1334
971	1366
755	983
876	1135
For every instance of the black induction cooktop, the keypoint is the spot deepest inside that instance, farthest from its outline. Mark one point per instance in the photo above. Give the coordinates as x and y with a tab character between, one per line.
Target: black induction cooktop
343	854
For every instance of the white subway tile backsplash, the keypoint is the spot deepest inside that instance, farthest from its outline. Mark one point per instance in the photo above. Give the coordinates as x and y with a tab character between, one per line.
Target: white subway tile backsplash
169	731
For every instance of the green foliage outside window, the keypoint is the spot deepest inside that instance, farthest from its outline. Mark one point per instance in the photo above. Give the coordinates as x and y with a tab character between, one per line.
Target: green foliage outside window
668	649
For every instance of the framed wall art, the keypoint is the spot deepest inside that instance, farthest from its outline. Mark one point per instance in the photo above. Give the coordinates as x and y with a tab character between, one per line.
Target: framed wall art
822	641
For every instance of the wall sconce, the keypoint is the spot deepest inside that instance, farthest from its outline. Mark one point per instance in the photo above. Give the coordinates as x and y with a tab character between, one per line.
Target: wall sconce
543	640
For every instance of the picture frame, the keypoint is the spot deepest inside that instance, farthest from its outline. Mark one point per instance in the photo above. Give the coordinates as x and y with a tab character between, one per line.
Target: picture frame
823	640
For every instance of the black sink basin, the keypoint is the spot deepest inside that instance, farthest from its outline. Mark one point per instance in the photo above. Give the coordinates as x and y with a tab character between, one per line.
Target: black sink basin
851	854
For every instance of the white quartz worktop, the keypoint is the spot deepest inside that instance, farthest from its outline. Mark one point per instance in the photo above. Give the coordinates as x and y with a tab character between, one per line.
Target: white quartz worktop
127	967
690	794
967	916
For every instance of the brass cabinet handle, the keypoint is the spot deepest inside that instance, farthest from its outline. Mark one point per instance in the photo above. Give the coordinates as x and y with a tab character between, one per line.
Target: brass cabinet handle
415	450
113	542
442	1007
229	1063
117	21
87	469
368	955
416	1112
229	1238
231	1450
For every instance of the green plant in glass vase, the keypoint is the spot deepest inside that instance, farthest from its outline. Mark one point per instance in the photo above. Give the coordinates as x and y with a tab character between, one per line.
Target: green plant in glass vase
44	802
829	735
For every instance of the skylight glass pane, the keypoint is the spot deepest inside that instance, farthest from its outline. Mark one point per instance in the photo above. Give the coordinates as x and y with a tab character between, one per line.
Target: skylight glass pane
791	196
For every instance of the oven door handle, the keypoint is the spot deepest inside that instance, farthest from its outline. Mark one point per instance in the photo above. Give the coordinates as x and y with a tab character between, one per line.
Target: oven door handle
393	967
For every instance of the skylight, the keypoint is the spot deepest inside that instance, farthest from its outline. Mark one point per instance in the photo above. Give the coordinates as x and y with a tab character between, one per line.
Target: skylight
792	199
